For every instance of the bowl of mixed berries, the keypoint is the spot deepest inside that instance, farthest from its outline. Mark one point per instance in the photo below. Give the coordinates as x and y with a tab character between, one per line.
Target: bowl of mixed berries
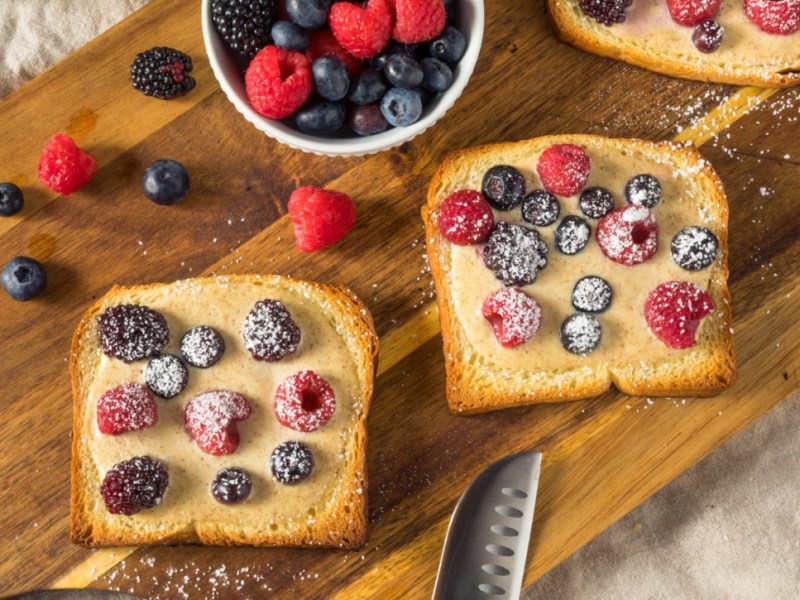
342	78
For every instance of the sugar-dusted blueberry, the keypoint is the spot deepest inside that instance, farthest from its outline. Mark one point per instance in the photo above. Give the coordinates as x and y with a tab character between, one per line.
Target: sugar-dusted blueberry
308	14
165	182
401	107
23	278
290	36
592	294
581	333
291	462
321	117
540	208
11	199
694	248
449	46
367	120
269	331
131	332
707	36
572	235
596	202
330	77
134	484
503	186
231	485
202	346
644	190
437	76
367	87
166	376
515	254
403	71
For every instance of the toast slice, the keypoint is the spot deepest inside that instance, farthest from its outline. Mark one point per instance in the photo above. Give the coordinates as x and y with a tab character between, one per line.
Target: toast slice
337	341
649	38
484	375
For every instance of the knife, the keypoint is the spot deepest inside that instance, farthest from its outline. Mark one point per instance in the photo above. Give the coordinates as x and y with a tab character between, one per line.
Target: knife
487	540
83	594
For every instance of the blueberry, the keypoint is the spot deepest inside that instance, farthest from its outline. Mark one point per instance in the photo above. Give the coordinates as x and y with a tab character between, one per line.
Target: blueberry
401	107
231	485
403	71
540	208
331	80
367	87
286	34
165	182
503	186
572	235
694	248
707	36
367	120
596	202
591	294
436	76
291	462
644	190
393	47
320	117
202	346
166	376
23	278
11	199
449	46
309	14
580	333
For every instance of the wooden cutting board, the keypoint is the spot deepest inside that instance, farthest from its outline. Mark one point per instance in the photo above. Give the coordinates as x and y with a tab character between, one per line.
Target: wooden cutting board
601	457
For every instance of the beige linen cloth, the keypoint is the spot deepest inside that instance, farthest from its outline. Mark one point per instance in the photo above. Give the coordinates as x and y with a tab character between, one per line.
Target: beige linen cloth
727	528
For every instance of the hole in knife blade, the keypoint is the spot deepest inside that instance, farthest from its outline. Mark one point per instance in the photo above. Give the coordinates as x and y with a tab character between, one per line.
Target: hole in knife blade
514	493
500	550
495	569
503	530
492	590
508	511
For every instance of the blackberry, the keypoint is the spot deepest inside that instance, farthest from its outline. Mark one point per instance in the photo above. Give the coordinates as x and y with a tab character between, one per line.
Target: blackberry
540	208
592	294
202	346
162	73
503	186
291	462
605	12
166	376
130	332
572	235
245	24
515	254
131	485
694	248
269	332
596	202
231	485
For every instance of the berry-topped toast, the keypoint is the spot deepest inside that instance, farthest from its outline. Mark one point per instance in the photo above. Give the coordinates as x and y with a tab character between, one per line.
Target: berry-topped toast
567	264
222	411
743	42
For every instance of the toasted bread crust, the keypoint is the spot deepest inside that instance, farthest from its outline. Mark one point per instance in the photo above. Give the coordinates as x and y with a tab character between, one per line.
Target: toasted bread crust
573	29
342	523
466	395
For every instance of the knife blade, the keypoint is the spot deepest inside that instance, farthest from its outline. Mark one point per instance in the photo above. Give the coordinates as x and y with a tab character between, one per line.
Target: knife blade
81	594
487	540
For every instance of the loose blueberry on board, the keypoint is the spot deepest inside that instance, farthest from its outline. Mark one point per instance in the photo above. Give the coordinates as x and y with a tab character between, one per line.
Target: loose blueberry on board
367	120
644	190
515	254
605	12
540	208
131	332
202	346
401	107
437	76
132	485
162	73
331	80
596	202
165	182
304	402
403	71
367	87
308	14
231	486
291	462
11	199
503	186
321	117
290	36
449	46
694	248
707	36
592	294
245	25
572	235
23	278
166	376
581	333
269	331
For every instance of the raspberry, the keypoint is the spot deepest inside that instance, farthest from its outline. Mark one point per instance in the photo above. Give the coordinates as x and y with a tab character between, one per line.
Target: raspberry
63	167
320	217
304	402
127	407
130	332
673	312
691	12
629	235
278	82
269	332
418	20
774	16
515	316
363	32
564	169
465	218
210	419
605	12
162	73
131	485
323	43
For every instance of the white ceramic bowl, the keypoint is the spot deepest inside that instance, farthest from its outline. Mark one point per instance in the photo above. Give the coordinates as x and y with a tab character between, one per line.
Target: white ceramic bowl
229	75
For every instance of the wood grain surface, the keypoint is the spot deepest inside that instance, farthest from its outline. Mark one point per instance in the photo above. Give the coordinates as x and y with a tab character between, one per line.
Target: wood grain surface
601	457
